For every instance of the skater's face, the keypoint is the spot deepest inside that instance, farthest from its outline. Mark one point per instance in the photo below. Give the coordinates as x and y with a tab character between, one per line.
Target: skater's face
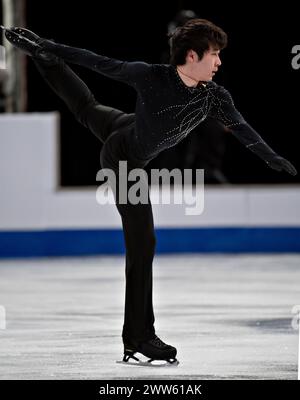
204	69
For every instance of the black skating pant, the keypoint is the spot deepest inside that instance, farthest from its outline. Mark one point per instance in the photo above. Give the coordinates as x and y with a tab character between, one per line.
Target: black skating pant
111	127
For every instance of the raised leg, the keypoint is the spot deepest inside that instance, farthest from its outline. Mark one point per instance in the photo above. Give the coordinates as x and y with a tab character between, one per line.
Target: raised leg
99	119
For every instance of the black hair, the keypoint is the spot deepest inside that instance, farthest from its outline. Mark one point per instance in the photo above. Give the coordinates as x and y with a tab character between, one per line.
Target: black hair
198	35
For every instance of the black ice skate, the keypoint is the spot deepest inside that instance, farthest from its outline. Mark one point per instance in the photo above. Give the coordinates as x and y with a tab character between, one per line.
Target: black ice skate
159	354
28	42
26	33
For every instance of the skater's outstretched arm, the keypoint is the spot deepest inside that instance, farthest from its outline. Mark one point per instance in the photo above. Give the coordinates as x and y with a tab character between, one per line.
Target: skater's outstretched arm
128	72
225	111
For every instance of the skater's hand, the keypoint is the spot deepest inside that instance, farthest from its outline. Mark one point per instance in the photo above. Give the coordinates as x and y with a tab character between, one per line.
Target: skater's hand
281	164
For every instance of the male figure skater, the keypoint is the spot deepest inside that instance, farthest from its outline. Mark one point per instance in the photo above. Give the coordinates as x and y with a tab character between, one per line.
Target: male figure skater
172	99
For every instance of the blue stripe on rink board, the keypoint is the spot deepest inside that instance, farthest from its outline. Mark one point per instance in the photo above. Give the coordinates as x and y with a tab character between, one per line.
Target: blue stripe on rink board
110	241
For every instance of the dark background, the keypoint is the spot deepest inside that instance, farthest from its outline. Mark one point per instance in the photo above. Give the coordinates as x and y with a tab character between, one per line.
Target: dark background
256	70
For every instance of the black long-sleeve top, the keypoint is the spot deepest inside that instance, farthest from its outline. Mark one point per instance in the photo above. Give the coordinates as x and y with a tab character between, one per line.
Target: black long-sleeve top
166	109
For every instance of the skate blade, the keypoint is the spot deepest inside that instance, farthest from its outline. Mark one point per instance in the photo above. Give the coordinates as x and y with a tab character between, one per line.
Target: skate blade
154	363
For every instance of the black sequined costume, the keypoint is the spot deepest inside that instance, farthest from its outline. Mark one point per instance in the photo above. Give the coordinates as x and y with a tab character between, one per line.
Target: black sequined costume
166	111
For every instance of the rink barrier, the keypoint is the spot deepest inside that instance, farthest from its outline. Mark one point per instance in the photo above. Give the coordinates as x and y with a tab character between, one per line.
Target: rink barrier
47	243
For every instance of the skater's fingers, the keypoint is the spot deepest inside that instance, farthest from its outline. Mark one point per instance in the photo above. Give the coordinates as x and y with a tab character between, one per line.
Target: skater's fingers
288	167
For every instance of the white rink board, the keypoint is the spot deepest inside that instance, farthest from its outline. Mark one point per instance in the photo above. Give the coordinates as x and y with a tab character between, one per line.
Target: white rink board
32	200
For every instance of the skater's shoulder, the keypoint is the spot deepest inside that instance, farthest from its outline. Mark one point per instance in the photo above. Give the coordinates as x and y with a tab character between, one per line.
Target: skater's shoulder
223	94
159	72
218	91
